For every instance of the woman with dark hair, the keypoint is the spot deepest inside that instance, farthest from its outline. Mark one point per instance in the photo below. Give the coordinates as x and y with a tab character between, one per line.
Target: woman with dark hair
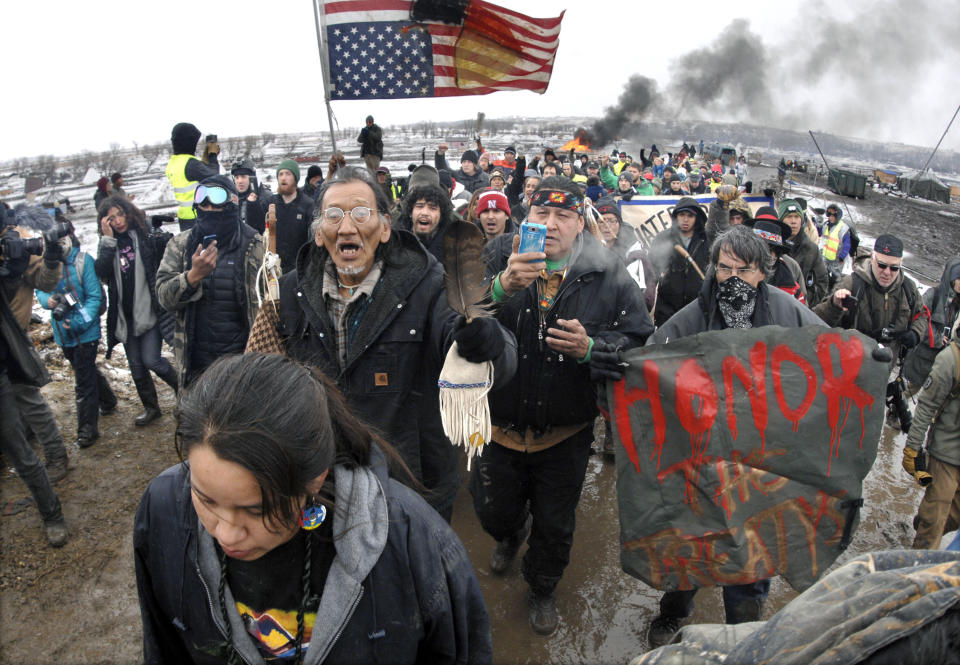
127	262
280	537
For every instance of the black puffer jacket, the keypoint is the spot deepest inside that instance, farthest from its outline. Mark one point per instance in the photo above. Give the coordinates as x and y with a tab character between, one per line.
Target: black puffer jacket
679	282
550	389
398	348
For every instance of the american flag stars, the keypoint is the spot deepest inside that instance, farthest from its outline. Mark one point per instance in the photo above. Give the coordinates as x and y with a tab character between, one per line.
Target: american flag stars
380	60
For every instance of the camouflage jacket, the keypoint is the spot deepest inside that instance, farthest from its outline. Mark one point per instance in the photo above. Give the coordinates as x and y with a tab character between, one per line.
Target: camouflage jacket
938	408
175	295
861	607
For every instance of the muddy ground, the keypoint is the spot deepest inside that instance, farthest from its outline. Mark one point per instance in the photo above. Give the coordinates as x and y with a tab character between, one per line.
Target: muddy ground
79	605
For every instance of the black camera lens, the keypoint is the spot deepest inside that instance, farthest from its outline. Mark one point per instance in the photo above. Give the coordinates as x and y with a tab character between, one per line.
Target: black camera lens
60	312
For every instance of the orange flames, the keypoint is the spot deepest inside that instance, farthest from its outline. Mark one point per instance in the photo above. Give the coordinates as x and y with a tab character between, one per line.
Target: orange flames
580	142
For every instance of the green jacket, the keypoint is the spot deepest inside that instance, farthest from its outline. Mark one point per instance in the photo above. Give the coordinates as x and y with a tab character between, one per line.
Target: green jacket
175	295
940	394
608	177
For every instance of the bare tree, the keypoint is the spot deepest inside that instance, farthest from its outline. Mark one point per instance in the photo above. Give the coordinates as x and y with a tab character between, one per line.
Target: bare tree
151	153
233	146
249	145
267	137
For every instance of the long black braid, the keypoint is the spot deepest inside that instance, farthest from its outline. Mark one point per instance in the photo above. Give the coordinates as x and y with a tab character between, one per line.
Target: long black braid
305	597
233	658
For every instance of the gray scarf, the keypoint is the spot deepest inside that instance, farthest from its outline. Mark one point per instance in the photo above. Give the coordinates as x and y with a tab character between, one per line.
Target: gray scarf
143	317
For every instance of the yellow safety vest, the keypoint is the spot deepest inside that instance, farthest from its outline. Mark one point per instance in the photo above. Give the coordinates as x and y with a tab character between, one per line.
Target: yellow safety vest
183	189
832	240
619	166
579	177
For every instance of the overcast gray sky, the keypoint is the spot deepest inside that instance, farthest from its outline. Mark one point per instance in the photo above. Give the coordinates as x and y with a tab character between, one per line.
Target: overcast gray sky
85	75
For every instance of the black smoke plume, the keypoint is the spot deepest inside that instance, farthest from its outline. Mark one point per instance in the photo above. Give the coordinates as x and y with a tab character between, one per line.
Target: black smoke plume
637	96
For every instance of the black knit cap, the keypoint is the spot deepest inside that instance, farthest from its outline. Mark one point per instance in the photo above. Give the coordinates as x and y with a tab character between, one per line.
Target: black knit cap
608	205
184	138
889	245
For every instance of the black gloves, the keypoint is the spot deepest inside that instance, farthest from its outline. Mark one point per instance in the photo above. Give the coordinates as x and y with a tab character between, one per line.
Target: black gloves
908	338
605	362
52	252
480	340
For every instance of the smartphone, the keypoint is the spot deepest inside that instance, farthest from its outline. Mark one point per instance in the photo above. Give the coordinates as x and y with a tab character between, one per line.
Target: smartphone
849	302
211	138
208	239
533	237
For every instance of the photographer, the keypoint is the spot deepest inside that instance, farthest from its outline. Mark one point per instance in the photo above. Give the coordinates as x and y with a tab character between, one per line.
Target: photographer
880	302
21	366
75	305
127	261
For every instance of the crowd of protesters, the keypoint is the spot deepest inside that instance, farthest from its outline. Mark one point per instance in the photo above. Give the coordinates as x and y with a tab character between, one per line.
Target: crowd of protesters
364	326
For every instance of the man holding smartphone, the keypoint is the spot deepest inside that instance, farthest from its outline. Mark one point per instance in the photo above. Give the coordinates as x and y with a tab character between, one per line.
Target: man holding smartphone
570	305
198	280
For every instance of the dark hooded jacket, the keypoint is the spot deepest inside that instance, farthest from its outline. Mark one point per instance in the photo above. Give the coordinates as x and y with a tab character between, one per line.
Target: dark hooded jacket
471	183
774	308
679	282
401	587
805	252
550	389
943	304
399	341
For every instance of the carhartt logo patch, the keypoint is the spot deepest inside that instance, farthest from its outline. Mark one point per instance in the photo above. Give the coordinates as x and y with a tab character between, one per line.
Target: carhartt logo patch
381	379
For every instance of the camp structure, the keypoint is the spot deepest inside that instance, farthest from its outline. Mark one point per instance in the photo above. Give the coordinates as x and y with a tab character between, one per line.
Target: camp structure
925	186
886	176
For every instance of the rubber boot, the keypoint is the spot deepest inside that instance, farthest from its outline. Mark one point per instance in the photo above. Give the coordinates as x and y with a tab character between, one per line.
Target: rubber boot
169	376
148	395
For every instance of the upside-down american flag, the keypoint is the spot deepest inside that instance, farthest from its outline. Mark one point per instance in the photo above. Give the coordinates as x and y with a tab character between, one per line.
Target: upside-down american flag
393	49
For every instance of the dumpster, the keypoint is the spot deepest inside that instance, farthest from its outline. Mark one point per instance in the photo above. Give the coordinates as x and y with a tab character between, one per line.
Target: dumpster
848	183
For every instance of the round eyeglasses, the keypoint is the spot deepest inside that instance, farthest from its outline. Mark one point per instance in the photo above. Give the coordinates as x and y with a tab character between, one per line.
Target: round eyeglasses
335	216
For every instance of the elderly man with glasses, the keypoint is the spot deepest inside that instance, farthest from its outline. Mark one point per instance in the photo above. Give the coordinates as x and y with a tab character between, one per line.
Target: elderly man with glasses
366	305
735	294
881	302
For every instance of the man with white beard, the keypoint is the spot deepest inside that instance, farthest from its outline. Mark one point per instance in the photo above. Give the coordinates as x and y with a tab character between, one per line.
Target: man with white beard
289	213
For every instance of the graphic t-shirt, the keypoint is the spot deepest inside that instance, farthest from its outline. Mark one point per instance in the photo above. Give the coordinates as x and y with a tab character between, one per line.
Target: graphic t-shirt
128	274
268	592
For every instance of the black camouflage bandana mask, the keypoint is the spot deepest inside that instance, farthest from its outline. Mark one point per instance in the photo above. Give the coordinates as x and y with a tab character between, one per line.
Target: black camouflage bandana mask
736	300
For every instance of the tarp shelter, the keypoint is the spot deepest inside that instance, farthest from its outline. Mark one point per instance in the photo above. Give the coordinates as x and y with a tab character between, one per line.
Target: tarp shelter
886	176
925	186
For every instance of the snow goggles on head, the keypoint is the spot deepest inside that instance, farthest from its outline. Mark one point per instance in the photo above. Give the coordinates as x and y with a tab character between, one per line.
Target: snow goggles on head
213	195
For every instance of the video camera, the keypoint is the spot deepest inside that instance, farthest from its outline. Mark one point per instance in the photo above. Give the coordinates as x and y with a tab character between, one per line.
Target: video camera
15	248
